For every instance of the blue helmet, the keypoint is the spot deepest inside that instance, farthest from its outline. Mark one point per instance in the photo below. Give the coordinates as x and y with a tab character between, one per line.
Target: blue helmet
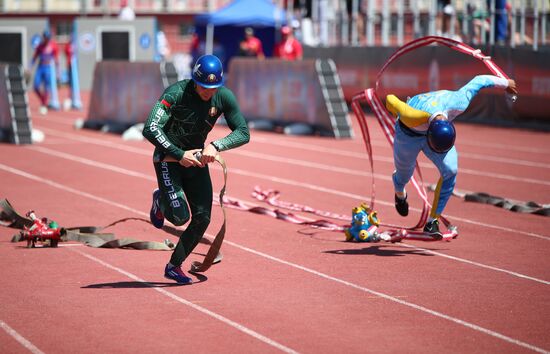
441	136
208	71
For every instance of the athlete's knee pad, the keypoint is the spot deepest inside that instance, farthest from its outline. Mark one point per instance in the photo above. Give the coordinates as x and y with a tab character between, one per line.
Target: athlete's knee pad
178	217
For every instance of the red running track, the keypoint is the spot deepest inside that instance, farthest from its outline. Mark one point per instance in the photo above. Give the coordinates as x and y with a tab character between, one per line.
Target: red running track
280	287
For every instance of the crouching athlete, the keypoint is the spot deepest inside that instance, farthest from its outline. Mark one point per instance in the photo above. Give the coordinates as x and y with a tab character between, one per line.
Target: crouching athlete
424	124
178	126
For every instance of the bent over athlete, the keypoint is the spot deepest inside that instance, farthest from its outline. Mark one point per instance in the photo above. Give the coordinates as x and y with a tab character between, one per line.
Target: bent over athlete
178	126
424	124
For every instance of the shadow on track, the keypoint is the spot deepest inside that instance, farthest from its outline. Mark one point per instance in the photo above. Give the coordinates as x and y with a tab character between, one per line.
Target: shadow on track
131	285
378	250
141	285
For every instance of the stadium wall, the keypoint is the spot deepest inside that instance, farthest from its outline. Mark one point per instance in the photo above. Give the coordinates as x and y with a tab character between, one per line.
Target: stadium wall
437	67
284	92
123	94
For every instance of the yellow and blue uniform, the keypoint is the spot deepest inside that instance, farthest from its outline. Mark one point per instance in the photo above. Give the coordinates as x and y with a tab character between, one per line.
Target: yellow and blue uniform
412	124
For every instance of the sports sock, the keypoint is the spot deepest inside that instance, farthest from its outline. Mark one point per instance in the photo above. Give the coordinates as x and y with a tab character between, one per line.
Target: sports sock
401	195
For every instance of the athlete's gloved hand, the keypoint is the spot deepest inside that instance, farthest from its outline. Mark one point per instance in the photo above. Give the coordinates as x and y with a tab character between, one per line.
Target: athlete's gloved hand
511	92
512	88
189	159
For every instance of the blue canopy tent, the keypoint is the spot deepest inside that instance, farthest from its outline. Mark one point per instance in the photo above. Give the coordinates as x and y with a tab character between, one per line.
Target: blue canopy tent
228	24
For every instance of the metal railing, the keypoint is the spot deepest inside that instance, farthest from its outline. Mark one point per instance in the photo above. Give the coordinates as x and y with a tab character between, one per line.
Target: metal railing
365	23
378	22
108	7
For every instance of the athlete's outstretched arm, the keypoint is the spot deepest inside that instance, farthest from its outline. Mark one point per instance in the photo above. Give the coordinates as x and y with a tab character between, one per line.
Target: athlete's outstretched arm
485	81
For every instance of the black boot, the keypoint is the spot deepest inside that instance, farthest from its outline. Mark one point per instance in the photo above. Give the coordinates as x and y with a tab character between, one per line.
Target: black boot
402	206
432	229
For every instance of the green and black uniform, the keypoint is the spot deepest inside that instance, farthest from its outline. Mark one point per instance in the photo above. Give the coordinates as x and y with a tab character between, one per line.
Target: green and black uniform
181	121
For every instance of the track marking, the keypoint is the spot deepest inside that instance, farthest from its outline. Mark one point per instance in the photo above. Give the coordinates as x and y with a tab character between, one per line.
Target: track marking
376	142
193	305
278	180
120	170
293	265
22	340
384	143
394	299
363	156
519	275
308	164
379	176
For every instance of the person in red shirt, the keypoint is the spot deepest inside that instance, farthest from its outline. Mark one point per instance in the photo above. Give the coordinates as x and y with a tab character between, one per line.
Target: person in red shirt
251	46
46	54
289	48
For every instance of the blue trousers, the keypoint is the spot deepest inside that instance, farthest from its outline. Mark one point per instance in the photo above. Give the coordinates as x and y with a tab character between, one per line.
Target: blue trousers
405	152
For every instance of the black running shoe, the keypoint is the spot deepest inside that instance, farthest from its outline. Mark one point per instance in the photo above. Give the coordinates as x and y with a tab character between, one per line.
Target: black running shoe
432	229
402	206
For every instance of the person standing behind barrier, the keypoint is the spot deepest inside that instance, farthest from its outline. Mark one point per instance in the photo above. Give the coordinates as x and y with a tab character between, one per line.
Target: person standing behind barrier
47	55
501	21
197	48
163	46
424	124
289	48
178	126
73	100
251	46
126	12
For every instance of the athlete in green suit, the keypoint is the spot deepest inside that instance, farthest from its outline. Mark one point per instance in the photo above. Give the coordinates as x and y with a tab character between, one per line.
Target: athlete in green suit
178	126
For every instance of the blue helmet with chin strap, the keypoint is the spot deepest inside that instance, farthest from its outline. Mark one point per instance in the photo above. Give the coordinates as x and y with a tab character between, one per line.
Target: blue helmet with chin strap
208	71
441	136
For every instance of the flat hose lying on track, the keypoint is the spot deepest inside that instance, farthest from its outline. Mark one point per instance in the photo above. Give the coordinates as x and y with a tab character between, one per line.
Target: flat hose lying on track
92	235
528	207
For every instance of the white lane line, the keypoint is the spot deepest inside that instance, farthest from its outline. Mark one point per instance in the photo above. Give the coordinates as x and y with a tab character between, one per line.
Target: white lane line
124	207
305	269
378	142
120	170
519	275
92	163
395	299
22	340
383	142
363	156
277	180
312	165
379	176
194	306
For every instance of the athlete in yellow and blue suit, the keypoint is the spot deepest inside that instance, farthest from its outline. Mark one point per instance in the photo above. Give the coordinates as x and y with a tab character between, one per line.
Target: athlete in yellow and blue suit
414	118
